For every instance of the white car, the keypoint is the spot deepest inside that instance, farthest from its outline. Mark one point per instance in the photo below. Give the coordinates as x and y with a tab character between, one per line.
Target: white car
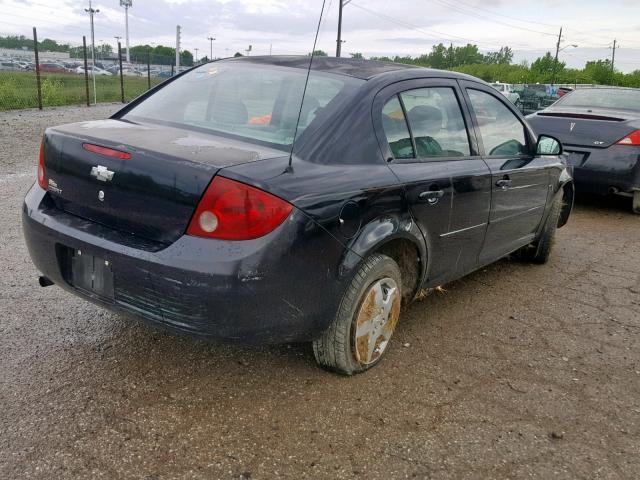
97	70
507	90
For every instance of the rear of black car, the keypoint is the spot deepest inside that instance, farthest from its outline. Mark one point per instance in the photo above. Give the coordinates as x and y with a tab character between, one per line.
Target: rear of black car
137	213
600	131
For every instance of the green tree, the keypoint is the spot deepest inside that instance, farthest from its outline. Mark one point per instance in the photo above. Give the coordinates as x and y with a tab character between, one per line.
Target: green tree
357	55
600	71
320	53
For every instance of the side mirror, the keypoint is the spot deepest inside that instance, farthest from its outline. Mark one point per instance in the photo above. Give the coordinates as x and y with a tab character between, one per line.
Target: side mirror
548	145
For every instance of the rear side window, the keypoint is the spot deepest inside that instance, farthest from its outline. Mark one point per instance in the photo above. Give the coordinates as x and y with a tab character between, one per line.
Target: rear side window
396	130
501	131
436	122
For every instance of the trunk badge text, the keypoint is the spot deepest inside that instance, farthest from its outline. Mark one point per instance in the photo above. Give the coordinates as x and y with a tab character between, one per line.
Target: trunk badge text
102	173
572	125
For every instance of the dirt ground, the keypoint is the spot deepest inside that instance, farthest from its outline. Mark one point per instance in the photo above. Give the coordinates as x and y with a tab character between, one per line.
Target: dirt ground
516	371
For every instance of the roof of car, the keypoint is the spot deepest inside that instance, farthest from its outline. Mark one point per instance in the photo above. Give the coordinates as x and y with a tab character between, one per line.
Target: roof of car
359	68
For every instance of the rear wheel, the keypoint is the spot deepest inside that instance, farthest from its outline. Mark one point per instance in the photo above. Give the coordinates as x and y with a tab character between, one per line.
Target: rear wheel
636	202
359	336
540	250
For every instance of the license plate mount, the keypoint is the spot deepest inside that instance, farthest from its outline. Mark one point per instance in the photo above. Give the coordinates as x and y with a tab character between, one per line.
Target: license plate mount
92	274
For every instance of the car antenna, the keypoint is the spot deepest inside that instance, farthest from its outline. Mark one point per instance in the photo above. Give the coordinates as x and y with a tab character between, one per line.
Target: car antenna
304	91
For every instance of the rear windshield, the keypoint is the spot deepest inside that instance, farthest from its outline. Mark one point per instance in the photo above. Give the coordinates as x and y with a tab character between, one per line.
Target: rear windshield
602	98
252	102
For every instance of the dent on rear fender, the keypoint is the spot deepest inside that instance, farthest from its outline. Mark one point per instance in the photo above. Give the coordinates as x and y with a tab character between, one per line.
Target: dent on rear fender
375	234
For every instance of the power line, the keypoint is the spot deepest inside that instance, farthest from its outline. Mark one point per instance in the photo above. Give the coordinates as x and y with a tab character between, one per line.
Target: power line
482	17
491	12
430	33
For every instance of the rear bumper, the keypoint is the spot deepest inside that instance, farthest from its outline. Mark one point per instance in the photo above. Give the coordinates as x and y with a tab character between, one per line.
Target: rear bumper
613	169
283	287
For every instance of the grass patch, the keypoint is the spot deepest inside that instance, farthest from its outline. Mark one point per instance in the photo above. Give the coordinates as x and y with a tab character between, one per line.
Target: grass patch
19	89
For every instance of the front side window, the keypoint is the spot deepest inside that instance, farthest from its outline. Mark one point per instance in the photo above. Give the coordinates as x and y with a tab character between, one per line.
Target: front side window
501	131
436	122
252	102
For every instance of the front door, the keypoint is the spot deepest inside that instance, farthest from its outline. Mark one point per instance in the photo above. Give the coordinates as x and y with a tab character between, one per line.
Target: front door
520	179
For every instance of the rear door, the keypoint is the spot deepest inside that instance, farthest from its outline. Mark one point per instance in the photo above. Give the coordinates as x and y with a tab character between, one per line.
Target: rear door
520	180
424	132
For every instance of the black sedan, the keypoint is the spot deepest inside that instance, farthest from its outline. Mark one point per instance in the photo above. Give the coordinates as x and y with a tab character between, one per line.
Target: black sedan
600	129
222	205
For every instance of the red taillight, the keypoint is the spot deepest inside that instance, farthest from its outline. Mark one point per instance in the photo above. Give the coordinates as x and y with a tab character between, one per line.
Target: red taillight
231	210
42	173
632	139
108	152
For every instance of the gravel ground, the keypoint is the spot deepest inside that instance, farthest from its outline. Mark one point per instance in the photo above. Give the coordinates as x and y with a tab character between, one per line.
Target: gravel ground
516	371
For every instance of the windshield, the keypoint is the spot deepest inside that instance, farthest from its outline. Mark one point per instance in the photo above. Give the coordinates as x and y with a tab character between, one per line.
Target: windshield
602	98
254	102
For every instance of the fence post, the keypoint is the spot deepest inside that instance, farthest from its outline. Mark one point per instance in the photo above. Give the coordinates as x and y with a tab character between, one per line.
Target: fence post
86	69
172	69
35	51
148	69
121	74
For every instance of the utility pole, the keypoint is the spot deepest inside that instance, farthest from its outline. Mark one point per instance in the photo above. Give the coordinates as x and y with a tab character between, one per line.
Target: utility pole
196	54
126	4
91	11
211	39
555	62
341	5
613	59
177	49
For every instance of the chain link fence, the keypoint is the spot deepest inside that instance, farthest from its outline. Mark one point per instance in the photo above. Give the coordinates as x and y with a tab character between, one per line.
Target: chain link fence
30	78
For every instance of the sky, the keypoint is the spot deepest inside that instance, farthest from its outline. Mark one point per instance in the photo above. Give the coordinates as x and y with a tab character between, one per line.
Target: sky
370	27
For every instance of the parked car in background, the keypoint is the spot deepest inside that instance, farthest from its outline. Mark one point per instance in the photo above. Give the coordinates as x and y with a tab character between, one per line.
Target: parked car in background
507	90
534	97
91	70
22	64
600	128
126	71
52	68
232	208
10	66
562	91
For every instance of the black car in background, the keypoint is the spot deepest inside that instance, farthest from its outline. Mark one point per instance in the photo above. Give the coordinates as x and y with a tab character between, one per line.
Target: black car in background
600	130
220	204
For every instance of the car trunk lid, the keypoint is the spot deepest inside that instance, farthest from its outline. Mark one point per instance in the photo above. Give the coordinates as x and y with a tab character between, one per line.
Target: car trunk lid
582	127
153	193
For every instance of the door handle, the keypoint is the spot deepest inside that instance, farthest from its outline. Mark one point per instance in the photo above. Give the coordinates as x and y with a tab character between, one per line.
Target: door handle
431	196
504	183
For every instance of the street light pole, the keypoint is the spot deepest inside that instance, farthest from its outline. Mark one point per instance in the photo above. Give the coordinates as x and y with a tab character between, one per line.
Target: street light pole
196	54
211	39
91	11
126	4
555	62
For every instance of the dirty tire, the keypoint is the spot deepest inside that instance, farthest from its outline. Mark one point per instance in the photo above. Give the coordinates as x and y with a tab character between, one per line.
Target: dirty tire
337	348
636	202
540	250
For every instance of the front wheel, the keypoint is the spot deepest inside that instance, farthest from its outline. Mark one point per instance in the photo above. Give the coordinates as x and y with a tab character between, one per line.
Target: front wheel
359	336
540	250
